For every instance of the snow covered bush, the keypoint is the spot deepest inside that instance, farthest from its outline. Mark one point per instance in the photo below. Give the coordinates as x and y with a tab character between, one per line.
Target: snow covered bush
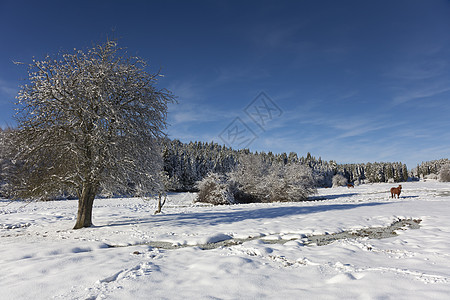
339	180
431	176
249	177
215	189
444	174
258	180
292	182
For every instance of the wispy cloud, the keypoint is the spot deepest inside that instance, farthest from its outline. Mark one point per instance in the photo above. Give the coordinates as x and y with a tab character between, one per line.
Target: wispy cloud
419	69
281	36
422	90
339	125
8	89
196	112
419	75
233	74
186	89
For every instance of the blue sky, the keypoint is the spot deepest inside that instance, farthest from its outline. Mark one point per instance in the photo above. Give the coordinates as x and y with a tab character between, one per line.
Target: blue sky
350	81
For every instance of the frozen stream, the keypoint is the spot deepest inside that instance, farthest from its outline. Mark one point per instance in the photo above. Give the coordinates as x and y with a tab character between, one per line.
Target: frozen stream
319	240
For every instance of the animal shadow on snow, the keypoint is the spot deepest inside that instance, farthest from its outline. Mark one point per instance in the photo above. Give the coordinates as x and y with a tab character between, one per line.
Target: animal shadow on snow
212	218
408	197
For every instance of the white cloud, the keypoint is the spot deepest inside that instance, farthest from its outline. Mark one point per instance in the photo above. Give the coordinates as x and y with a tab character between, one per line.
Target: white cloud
422	91
8	89
341	126
198	112
419	69
419	75
186	90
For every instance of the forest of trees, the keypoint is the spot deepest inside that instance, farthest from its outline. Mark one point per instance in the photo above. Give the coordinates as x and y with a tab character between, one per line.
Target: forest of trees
189	163
432	167
186	164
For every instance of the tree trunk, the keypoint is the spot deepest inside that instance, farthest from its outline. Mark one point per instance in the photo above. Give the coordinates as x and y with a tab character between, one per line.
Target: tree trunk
160	205
85	203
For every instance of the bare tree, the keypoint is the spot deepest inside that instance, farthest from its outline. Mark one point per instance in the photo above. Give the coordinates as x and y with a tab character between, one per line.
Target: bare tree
162	186
89	121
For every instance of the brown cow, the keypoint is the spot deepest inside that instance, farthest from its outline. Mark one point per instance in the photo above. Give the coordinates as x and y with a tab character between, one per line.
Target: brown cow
396	191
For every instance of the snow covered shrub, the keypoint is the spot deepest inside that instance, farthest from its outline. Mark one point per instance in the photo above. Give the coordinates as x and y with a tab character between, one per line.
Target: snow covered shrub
431	176
260	181
297	183
444	174
249	177
339	180
215	189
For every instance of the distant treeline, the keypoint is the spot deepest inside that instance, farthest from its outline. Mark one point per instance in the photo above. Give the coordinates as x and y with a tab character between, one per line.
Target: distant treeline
432	167
188	163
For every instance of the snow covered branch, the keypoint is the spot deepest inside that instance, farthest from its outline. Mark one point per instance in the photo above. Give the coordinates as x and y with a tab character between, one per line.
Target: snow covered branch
89	119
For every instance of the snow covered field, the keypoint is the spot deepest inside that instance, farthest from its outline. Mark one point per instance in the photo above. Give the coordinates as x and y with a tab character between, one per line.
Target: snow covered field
41	257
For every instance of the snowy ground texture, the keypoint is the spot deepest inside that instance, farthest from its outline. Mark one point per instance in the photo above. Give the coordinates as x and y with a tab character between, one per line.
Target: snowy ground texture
41	257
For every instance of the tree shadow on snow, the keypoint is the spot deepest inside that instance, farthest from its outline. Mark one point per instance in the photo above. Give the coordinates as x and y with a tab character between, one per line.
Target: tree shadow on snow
212	218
